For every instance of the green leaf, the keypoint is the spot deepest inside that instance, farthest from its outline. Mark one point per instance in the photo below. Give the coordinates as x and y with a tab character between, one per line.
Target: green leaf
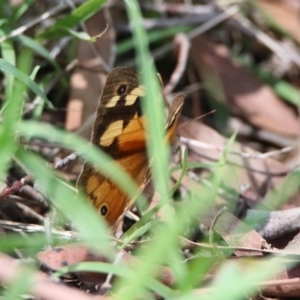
288	92
81	35
82	13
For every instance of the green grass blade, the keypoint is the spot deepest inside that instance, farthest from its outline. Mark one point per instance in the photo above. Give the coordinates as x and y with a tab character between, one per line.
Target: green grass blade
37	48
154	36
94	155
153	104
21	285
12	109
92	228
12	70
8	54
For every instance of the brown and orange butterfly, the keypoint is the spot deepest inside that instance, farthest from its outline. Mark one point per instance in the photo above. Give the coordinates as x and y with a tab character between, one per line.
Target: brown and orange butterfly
119	130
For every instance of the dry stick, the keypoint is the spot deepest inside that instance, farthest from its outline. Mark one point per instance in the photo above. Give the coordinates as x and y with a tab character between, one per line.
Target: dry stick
40	285
61	6
188	244
213	223
276	223
180	8
15	187
17	226
192	88
57	48
269	42
30	211
242	24
150	24
252	169
203	145
106	286
25	180
261	134
65	161
30	192
278	283
223	16
183	50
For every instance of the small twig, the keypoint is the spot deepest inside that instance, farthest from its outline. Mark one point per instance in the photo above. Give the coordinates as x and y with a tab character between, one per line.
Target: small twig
59	46
151	24
25	180
180	8
106	286
183	45
275	223
228	13
214	221
212	22
264	135
65	161
188	244
61	6
277	282
203	145
29	211
30	192
192	88
15	187
269	42
23	227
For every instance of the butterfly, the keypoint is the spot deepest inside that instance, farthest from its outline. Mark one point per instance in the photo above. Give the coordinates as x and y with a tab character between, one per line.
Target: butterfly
119	130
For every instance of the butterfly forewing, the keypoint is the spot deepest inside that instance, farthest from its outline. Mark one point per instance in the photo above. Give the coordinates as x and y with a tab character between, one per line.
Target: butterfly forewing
119	131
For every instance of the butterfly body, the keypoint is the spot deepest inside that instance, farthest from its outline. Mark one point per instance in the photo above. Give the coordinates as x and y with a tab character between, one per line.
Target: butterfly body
119	130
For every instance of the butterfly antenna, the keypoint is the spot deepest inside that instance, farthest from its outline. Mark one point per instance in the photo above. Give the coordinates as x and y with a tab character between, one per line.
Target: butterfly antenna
198	118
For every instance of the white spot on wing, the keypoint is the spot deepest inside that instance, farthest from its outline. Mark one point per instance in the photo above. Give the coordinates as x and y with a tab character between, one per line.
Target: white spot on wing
113	130
134	94
113	101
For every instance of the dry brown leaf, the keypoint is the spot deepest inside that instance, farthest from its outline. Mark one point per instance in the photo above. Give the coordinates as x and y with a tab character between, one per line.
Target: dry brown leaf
237	233
58	257
284	13
260	175
245	95
40	284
